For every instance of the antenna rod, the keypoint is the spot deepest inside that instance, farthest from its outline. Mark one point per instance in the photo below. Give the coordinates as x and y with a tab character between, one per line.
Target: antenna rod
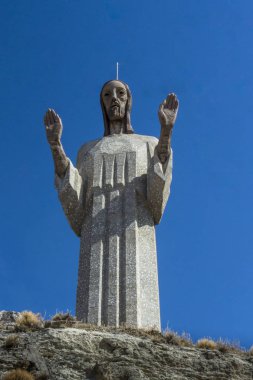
117	70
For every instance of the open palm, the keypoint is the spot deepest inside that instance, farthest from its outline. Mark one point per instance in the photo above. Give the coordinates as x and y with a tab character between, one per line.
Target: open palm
168	110
53	126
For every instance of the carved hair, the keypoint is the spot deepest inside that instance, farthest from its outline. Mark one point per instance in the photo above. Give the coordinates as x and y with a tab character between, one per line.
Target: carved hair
127	121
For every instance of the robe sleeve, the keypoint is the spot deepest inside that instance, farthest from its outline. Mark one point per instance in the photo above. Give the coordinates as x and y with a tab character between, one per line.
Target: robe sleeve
70	192
158	184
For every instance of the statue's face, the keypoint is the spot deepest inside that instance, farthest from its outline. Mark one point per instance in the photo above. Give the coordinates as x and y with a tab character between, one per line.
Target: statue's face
114	97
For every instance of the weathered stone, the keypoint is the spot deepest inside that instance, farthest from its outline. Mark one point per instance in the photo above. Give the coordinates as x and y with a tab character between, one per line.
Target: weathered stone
75	354
121	188
113	199
8	317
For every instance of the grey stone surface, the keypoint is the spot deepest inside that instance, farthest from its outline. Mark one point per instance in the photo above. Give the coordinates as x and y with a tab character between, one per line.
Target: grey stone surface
8	317
112	199
74	354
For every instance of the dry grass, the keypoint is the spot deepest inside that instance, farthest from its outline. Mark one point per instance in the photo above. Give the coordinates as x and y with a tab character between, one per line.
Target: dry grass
225	346
29	320
11	341
63	317
206	343
61	320
171	337
18	374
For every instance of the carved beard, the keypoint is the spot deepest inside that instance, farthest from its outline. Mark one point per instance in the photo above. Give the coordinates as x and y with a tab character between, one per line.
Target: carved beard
116	112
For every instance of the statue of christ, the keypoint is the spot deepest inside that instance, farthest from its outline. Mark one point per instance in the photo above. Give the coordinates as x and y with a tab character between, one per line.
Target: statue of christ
113	198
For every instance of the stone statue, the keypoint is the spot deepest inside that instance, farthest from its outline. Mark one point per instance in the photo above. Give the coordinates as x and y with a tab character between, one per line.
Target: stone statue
113	199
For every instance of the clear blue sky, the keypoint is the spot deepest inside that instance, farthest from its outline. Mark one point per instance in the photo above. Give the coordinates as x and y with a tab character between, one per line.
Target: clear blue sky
57	54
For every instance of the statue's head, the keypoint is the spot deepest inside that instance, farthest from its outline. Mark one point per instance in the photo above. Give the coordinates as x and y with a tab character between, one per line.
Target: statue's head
116	103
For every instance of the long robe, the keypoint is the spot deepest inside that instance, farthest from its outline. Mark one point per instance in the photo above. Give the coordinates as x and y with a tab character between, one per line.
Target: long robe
112	200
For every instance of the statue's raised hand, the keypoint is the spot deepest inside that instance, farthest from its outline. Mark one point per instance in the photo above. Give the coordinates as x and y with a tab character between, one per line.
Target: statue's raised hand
53	126
168	111
167	115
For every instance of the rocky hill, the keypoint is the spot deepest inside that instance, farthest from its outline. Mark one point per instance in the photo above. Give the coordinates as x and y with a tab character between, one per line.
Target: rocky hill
59	352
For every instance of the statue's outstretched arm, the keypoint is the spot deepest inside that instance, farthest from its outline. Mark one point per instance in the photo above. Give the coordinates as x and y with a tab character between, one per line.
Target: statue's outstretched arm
53	125
167	115
160	168
68	181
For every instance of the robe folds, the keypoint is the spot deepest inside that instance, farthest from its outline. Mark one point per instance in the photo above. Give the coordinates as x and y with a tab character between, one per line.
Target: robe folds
113	199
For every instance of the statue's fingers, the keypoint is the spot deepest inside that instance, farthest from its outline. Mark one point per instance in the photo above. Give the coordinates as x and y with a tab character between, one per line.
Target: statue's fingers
161	106
174	101
169	102
169	96
55	116
168	99
46	119
161	109
176	104
50	116
47	116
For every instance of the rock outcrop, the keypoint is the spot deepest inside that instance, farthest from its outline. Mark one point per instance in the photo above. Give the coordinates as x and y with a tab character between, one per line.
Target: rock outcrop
59	353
